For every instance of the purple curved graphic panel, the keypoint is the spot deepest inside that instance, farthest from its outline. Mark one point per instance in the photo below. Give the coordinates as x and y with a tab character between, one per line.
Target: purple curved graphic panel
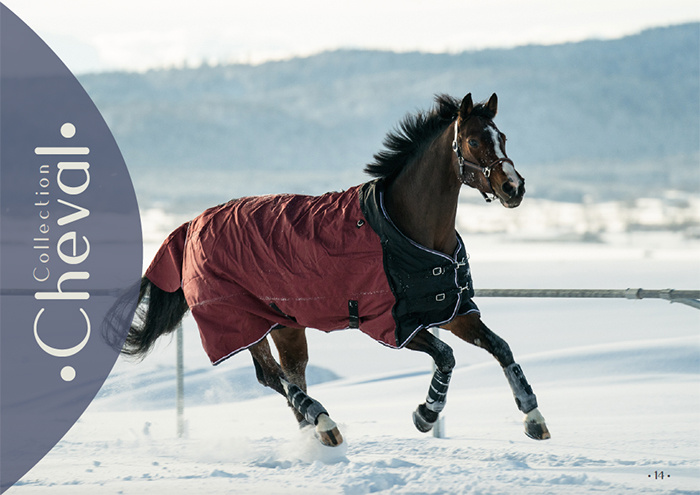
70	249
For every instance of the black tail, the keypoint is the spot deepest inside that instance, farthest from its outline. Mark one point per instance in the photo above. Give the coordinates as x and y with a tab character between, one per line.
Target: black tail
158	313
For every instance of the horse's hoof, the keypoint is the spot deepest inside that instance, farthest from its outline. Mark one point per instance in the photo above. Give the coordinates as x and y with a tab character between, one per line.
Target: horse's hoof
328	432
423	424
535	426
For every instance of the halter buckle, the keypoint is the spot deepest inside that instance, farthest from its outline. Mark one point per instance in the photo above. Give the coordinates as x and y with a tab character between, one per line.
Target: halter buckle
486	197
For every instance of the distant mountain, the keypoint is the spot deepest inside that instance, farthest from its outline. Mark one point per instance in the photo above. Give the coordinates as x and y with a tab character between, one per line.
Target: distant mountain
613	119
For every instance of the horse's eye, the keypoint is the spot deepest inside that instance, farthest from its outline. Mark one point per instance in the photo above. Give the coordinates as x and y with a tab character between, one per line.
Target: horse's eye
473	143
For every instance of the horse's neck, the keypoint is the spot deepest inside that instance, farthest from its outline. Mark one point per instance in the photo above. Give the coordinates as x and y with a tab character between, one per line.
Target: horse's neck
422	200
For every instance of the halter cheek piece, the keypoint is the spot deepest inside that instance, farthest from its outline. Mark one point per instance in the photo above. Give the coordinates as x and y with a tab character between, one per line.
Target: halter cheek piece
466	164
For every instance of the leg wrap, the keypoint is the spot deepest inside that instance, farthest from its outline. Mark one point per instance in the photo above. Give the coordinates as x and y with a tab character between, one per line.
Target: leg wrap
437	395
307	407
425	416
522	391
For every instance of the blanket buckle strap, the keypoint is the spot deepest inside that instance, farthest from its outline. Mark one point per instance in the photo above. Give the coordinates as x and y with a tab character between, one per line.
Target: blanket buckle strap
354	312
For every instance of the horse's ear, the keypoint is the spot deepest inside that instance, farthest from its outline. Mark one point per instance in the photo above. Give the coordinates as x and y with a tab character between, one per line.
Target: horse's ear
492	105
467	106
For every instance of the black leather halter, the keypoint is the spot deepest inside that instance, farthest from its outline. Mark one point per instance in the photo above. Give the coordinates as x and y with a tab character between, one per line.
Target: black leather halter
466	164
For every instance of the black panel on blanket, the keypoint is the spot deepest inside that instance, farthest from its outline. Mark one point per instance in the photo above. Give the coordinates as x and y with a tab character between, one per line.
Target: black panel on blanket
430	287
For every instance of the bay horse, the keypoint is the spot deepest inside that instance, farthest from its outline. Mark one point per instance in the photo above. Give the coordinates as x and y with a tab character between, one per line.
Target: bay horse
383	257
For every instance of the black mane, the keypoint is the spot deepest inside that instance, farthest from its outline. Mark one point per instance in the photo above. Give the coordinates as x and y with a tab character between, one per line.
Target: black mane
414	133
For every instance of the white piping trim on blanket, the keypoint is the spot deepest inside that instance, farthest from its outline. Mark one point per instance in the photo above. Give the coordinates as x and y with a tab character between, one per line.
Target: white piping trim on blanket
244	348
469	312
422	327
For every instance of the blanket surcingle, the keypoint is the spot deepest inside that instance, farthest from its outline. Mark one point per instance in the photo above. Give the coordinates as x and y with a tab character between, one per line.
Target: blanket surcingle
328	262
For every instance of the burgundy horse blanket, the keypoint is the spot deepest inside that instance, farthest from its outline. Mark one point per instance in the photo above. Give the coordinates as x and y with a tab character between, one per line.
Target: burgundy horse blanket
328	262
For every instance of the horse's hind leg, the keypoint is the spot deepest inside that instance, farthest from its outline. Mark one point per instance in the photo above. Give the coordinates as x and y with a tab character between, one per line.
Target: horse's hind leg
471	329
272	375
425	416
293	352
294	355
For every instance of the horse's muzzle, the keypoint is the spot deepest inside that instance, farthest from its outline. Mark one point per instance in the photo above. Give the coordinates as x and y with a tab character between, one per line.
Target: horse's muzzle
511	195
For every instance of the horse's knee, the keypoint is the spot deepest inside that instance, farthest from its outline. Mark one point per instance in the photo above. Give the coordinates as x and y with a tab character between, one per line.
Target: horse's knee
444	359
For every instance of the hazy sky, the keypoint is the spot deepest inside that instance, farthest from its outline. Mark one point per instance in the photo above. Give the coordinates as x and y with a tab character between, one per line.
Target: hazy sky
92	35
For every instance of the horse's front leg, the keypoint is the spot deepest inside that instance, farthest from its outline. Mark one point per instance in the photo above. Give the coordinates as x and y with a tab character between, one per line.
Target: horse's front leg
270	374
471	329
425	416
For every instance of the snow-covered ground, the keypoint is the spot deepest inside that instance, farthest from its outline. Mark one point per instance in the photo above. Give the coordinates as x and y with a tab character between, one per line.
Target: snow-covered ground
618	382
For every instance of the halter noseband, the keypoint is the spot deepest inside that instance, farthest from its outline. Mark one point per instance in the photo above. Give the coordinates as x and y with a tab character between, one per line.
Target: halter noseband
466	164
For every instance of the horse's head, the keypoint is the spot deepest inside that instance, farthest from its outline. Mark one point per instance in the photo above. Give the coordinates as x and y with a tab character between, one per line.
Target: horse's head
481	153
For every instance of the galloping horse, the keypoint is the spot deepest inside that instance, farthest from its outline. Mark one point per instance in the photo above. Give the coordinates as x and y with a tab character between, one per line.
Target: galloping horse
382	257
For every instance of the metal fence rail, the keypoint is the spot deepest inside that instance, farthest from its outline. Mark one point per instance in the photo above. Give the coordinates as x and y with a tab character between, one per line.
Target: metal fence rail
688	297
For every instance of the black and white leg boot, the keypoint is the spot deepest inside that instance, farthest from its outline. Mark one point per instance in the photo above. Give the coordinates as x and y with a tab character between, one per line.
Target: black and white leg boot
314	413
425	416
526	401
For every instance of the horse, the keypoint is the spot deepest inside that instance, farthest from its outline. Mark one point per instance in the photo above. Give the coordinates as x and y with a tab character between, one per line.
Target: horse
382	257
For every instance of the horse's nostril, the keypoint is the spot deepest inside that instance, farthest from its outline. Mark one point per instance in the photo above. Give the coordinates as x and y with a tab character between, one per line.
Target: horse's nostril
508	189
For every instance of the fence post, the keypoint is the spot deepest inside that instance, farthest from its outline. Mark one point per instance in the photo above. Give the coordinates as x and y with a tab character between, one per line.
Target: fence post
180	383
